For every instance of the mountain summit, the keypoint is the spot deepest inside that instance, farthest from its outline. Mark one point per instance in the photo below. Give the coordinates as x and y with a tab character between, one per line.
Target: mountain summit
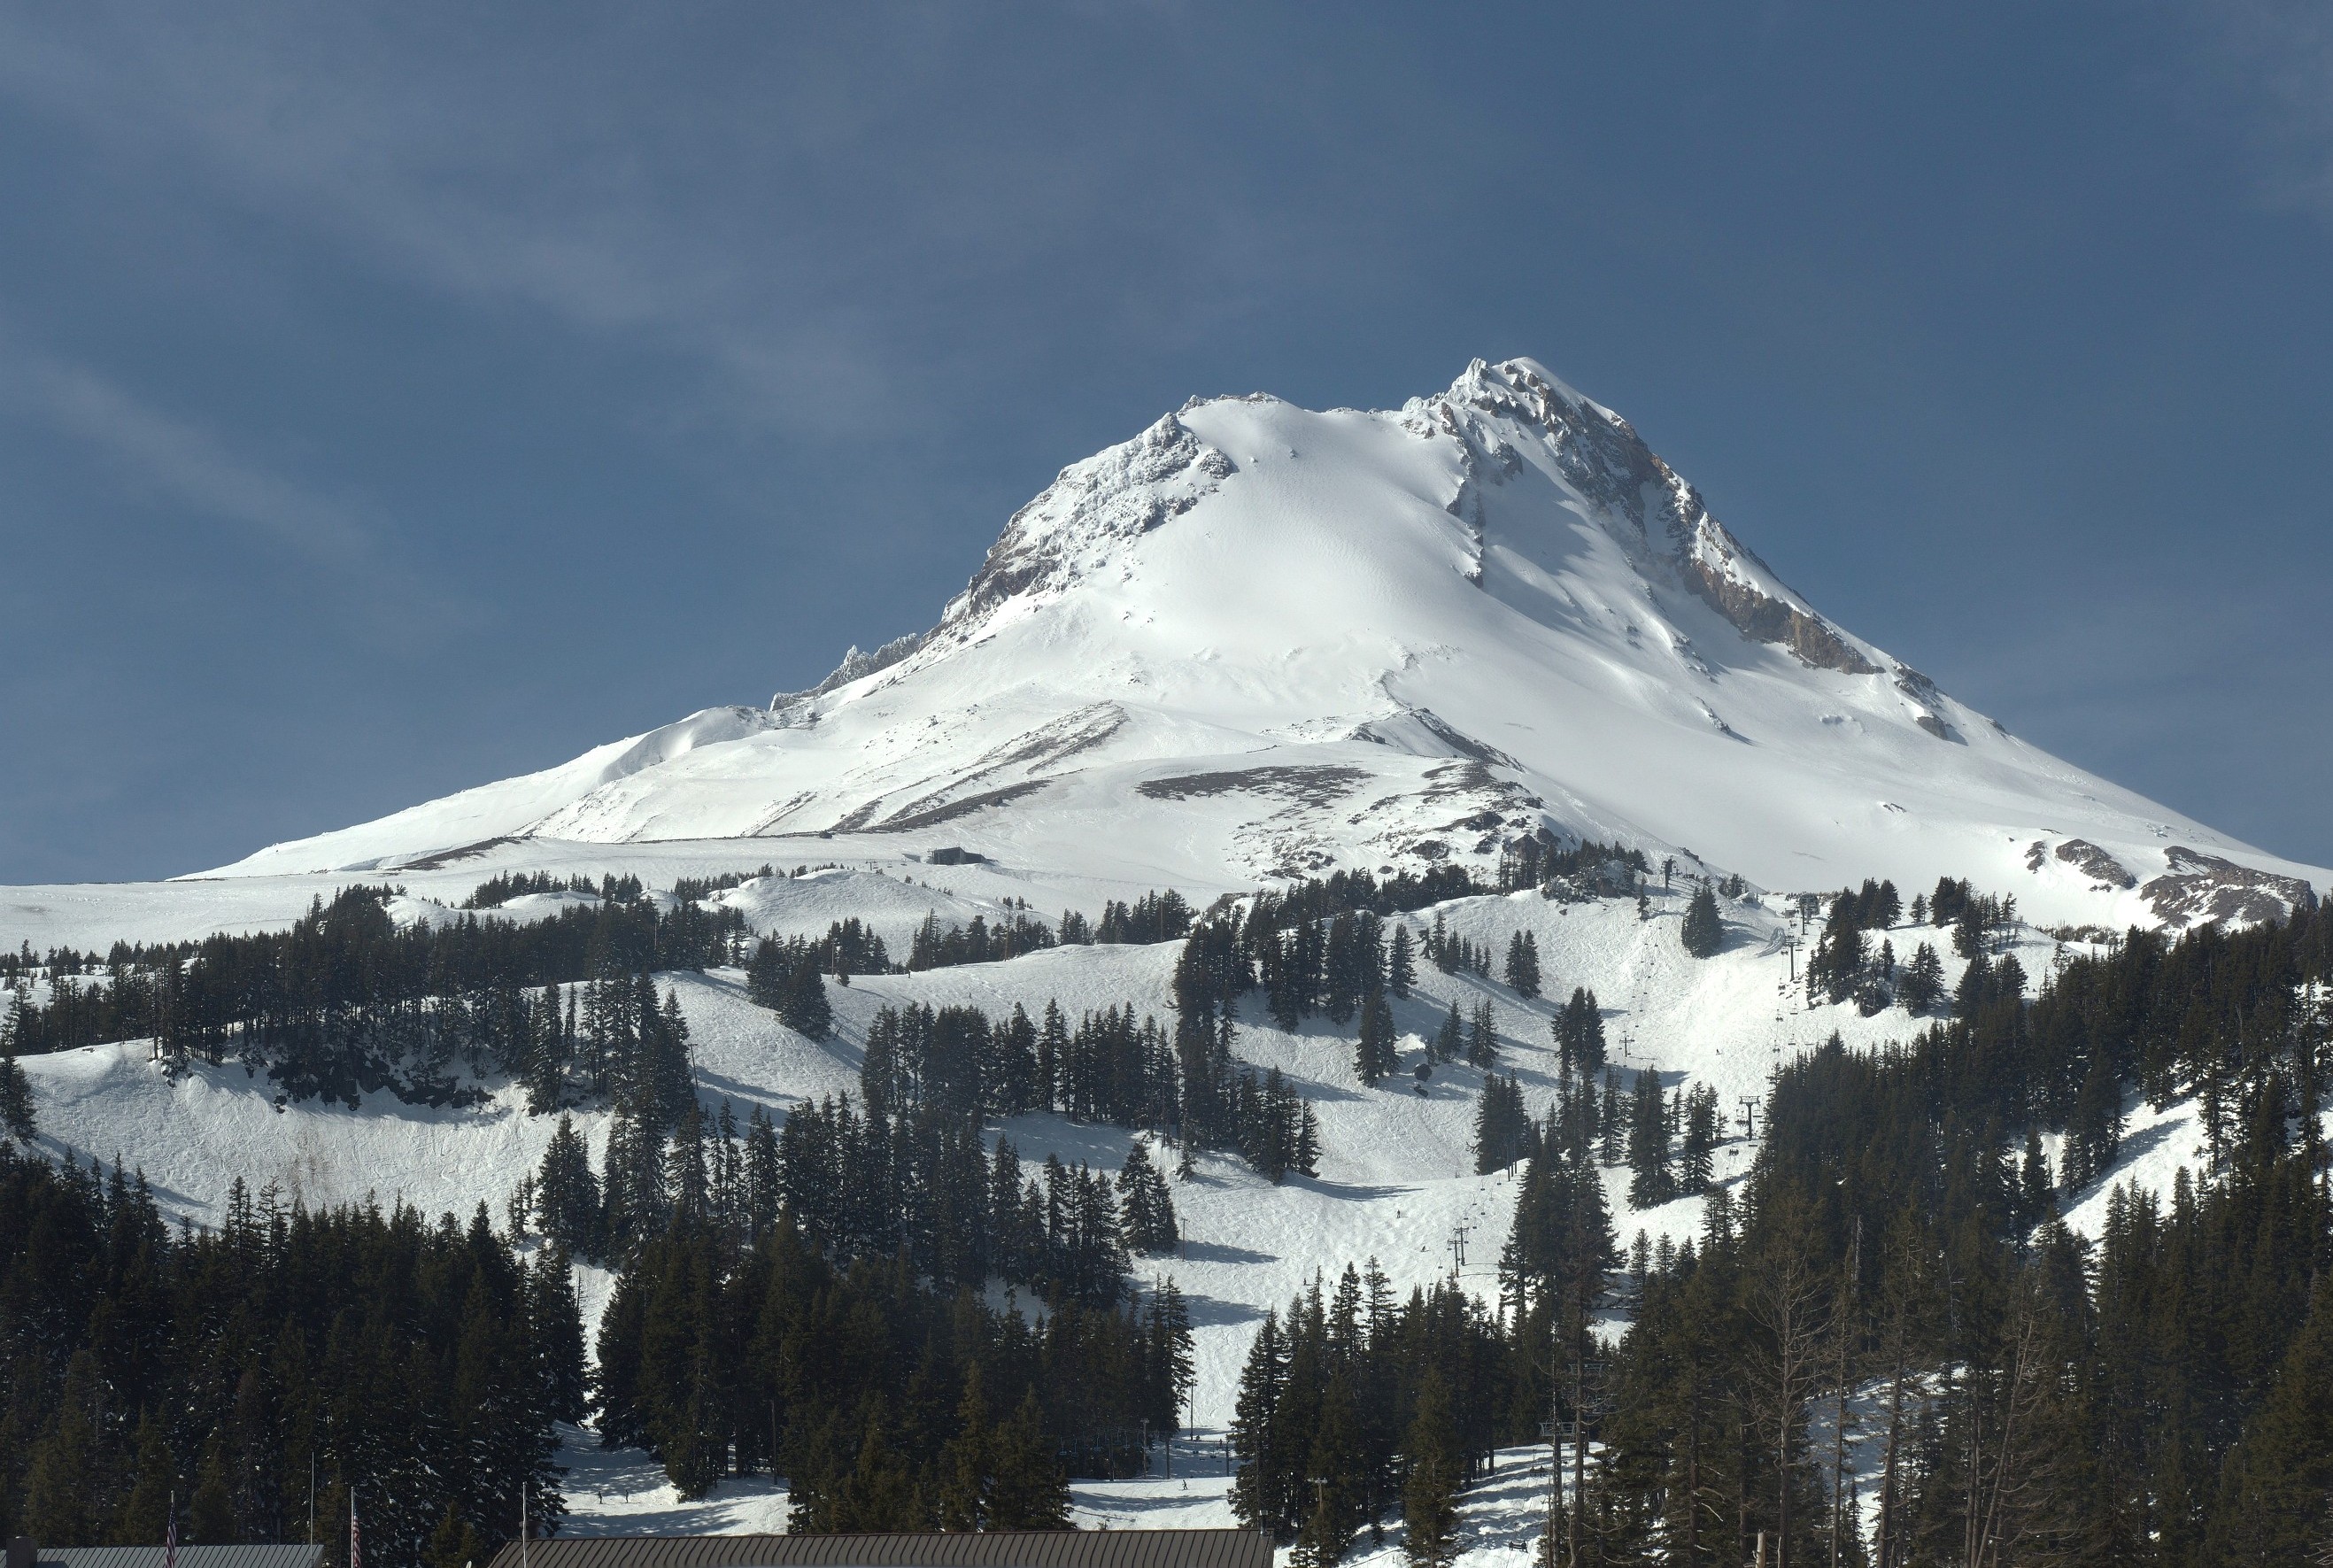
1257	641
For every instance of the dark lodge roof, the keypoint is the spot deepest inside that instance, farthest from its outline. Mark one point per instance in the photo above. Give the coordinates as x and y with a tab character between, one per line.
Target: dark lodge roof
984	1549
188	1556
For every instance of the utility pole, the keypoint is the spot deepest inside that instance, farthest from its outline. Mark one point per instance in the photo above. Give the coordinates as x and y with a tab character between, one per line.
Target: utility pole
1583	1407
1578	1441
1554	1434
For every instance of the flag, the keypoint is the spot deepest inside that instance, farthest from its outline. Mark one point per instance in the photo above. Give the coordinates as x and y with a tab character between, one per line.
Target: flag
356	1546
171	1538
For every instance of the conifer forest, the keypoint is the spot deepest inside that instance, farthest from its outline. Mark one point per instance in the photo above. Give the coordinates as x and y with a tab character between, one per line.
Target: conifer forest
879	1299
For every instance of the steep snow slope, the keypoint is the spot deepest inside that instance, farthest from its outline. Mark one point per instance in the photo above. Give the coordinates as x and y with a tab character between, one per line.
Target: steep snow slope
1258	641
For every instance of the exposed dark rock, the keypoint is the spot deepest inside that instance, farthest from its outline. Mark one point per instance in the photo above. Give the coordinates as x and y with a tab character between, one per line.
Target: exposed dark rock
430	863
2201	889
1045	746
854	665
1764	619
2095	862
963	808
1313	785
1119	494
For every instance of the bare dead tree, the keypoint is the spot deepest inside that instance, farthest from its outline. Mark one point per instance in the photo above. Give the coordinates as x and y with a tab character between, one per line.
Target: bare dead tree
1847	1326
1905	1288
1786	1300
2009	1470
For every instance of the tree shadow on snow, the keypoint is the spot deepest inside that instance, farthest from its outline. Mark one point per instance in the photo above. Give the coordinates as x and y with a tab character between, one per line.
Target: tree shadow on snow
2134	1148
1207	1312
1222	1252
715	1087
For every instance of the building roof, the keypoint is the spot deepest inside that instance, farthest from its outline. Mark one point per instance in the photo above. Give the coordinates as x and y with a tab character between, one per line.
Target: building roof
984	1549
188	1556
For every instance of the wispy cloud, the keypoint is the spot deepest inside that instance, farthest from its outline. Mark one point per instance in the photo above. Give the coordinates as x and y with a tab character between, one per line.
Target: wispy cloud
194	467
157	455
810	217
2276	58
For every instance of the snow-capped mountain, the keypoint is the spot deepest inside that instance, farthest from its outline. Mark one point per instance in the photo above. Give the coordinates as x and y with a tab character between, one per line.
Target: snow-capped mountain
1258	641
1254	642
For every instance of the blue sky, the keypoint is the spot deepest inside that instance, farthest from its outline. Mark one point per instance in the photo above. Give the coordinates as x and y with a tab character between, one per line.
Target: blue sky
393	398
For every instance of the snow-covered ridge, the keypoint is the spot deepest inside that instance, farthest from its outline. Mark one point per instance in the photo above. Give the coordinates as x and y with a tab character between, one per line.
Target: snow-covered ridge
1600	456
1076	524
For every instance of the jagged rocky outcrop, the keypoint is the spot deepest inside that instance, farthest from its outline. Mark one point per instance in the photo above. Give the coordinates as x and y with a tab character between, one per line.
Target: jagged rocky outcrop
1115	495
2201	889
1601	456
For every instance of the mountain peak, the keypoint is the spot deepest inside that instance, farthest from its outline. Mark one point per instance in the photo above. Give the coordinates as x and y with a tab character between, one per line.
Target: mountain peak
1257	641
1089	509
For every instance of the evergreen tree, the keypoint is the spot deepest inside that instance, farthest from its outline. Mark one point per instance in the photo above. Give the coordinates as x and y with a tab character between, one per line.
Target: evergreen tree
1482	1037
1259	1494
1561	1243
1580	1033
1305	1156
805	1008
638	1196
1429	1504
1522	964
145	1513
1031	1492
58	1499
1401	968
453	1543
210	1514
1649	1144
1145	1205
1449	1040
1968	929
1503	1132
969	1463
1921	984
16	1095
1612	1133
2275	1501
1703	931
1698	1147
2095	1131
1373	1057
567	1198
546	1066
